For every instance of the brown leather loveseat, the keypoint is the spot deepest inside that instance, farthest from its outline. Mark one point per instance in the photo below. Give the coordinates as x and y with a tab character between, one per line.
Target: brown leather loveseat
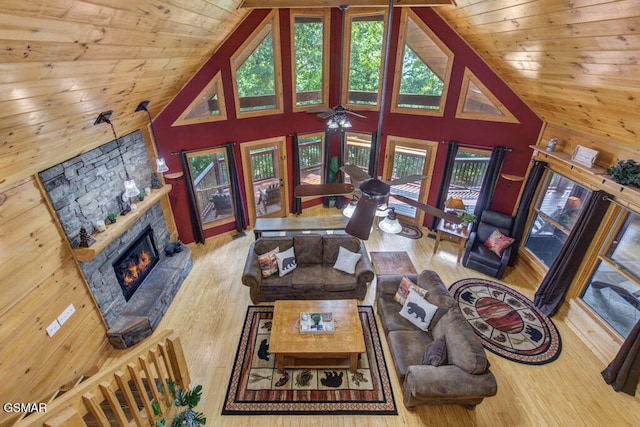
315	276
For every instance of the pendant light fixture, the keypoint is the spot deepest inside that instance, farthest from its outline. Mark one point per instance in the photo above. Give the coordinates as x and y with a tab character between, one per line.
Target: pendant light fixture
130	189
161	164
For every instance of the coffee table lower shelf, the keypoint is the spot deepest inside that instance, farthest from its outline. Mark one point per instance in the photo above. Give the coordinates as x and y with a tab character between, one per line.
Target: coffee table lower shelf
336	361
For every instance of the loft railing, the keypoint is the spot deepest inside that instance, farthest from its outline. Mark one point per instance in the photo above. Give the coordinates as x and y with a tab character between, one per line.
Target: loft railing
123	393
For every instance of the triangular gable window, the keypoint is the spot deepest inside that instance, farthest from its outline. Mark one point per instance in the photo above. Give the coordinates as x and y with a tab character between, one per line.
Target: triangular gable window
479	103
257	71
424	68
208	106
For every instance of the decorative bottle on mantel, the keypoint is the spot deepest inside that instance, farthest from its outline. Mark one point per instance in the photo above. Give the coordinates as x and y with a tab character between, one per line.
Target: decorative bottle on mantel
551	145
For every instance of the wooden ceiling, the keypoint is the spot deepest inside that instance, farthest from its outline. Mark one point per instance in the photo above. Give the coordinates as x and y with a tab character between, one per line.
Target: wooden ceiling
64	61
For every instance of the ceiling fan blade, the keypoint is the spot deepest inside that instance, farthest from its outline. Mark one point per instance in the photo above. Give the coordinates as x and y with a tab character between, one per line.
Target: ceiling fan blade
322	190
320	110
407	179
362	219
355	172
327	114
429	209
355	114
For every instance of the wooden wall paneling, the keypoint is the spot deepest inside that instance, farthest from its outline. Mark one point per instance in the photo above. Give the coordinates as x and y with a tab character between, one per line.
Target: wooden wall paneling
34	365
573	63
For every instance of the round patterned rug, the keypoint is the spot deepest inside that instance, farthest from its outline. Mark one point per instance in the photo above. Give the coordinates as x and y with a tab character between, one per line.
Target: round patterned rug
508	324
410	231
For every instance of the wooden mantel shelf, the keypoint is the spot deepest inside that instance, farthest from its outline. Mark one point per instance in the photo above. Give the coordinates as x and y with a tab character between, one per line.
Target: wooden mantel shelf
122	224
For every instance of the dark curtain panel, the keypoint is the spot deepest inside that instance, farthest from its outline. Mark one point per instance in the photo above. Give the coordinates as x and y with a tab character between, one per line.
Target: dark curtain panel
236	192
490	180
296	207
194	214
624	370
340	178
529	190
327	164
557	280
374	155
443	189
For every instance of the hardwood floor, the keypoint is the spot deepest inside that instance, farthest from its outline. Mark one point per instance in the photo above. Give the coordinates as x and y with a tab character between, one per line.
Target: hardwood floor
209	310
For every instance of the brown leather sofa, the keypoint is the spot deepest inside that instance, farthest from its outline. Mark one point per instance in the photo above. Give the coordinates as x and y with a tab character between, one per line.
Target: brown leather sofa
464	378
314	276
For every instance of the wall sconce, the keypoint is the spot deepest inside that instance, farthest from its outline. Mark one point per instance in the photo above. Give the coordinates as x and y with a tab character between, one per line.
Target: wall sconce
161	165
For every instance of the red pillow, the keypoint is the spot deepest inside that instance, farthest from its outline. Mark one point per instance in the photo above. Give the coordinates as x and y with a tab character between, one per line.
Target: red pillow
498	242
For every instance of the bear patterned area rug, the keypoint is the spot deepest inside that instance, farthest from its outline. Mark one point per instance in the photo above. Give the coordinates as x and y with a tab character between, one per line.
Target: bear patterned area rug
508	324
256	387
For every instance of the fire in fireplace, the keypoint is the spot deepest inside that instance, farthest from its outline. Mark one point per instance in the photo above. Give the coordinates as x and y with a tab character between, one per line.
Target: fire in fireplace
136	262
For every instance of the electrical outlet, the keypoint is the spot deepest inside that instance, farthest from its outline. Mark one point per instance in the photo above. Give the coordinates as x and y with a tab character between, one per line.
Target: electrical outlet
66	314
53	328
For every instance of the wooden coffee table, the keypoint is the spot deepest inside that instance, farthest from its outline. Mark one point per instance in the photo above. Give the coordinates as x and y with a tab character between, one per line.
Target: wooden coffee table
293	349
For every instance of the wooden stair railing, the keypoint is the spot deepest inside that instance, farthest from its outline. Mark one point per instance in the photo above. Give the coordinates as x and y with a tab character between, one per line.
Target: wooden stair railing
122	393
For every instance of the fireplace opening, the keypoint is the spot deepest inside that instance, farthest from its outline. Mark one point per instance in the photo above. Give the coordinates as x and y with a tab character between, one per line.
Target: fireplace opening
136	262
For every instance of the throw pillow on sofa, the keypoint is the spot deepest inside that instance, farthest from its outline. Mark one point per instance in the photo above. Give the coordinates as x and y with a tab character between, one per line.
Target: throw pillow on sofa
268	262
347	261
418	310
403	290
286	261
498	242
435	353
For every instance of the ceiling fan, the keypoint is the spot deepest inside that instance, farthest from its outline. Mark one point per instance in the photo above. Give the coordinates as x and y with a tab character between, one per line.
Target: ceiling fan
372	195
337	116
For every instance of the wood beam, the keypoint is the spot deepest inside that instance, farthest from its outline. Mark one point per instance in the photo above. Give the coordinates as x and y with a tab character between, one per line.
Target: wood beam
273	4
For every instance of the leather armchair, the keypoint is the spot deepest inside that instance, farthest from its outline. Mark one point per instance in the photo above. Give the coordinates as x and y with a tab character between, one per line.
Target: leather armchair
477	255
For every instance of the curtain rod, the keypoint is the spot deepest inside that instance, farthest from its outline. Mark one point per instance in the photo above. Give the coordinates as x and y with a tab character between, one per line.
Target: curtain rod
481	147
195	150
609	199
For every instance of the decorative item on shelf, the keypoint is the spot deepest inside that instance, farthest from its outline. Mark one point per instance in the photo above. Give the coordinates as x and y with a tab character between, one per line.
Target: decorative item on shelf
112	217
584	156
155	181
140	196
551	145
147	191
173	248
625	172
467	218
101	226
85	239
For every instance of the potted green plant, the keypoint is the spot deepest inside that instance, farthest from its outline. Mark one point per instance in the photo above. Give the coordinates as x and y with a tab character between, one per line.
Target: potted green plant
141	196
182	398
111	217
625	172
467	218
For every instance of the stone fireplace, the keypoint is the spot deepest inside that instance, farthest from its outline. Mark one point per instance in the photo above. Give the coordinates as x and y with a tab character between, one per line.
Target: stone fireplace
85	189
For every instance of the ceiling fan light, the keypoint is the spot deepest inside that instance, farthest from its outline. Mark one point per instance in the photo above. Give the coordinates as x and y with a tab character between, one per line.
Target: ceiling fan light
391	224
382	210
351	207
346	123
332	124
